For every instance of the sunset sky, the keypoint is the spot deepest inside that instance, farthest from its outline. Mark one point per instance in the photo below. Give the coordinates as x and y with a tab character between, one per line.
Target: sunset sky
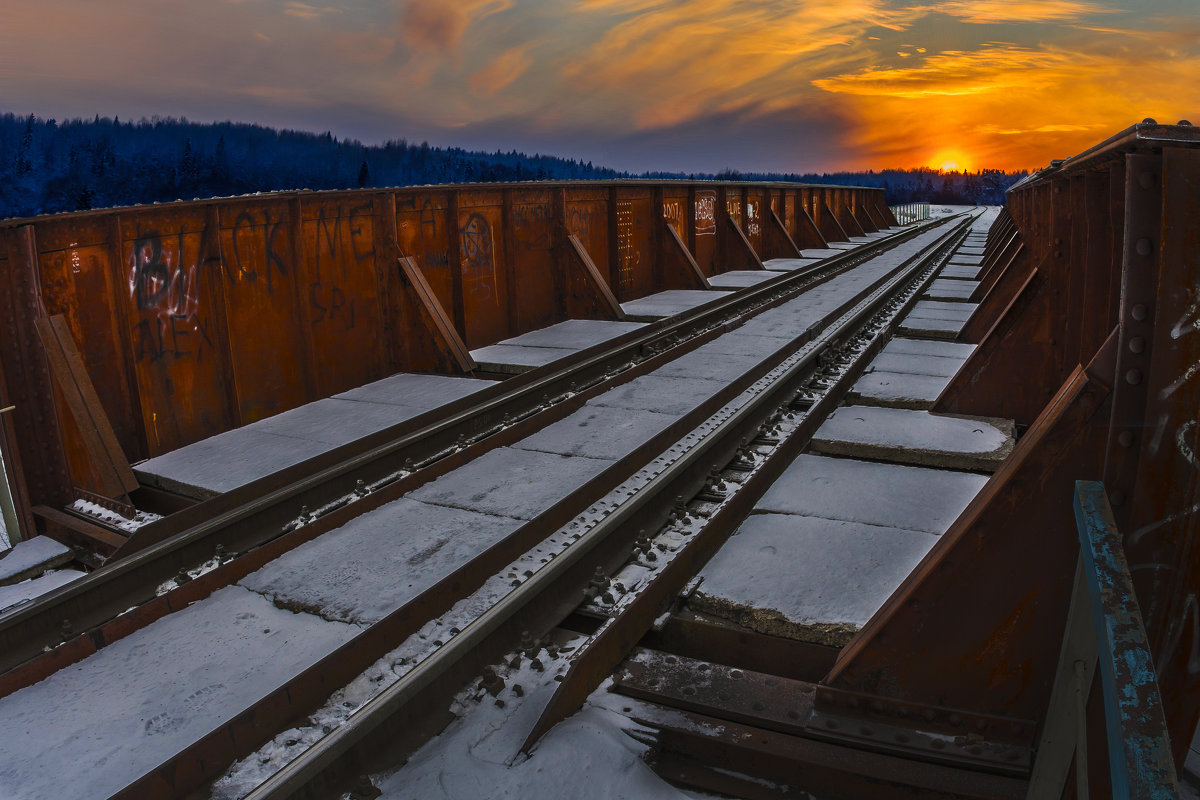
687	85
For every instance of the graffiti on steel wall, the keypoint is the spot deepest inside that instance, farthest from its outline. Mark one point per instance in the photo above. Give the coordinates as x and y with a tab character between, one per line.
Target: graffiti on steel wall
1186	442
579	222
477	251
753	219
531	224
673	212
628	255
706	213
344	243
166	293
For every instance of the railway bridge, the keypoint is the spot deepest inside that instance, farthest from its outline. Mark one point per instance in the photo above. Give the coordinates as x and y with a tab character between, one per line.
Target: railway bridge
613	489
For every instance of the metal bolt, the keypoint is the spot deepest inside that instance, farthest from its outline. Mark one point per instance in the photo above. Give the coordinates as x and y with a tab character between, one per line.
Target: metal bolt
1125	438
1139	312
955	720
1149	121
1133	377
1144	247
1183	123
1137	344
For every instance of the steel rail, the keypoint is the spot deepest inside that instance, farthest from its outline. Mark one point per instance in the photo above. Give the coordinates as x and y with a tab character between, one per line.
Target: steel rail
257	513
330	760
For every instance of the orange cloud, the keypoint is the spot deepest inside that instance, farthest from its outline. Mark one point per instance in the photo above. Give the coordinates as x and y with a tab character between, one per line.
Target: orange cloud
502	71
696	57
440	25
1007	106
984	12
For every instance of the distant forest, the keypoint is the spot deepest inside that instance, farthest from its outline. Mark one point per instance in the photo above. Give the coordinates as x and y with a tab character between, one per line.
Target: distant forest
48	166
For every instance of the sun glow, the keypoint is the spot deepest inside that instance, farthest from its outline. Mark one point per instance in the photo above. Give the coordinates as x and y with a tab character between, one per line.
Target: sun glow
950	161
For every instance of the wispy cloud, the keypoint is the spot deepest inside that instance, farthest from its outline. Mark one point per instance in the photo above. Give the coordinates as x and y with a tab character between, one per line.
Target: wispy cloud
305	11
984	12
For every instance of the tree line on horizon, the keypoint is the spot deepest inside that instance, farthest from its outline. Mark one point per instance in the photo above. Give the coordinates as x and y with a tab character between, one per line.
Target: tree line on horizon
48	166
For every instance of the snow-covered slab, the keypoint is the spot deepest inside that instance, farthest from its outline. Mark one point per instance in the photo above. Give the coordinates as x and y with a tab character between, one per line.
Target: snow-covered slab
15	594
947	289
861	239
31	558
418	391
913	364
916	437
790	264
807	578
599	432
779	323
669	303
738	343
334	421
374	564
965	261
820	253
843	245
548	345
936	309
515	359
575	334
898	389
924	347
661	393
511	482
930	328
224	462
711	362
960	272
93	727
968	250
888	495
741	278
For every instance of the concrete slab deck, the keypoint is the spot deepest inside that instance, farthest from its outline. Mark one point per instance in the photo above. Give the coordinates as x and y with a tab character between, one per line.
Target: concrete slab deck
741	278
807	578
898	390
511	482
669	303
31	558
916	437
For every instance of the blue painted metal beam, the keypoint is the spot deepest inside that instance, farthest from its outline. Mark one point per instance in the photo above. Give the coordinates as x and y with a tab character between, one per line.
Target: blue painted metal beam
1139	748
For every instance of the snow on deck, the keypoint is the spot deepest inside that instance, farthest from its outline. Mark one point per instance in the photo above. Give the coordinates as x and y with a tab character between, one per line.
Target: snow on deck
138	701
234	458
669	303
916	437
91	728
548	345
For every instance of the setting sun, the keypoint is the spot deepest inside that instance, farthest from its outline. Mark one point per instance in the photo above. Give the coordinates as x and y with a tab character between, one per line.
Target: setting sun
950	161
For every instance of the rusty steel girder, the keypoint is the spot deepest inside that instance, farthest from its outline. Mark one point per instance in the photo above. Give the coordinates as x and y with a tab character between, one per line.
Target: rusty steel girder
194	318
1104	272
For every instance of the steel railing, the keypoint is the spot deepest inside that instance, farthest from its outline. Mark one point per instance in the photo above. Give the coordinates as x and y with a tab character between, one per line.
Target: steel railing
1104	631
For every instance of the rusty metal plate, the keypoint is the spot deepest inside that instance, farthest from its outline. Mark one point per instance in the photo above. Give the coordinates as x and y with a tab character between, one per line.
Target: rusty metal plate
534	265
757	210
484	279
264	316
342	292
705	212
425	233
173	295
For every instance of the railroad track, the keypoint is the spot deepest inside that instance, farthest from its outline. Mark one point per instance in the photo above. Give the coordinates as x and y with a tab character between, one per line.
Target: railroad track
712	461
